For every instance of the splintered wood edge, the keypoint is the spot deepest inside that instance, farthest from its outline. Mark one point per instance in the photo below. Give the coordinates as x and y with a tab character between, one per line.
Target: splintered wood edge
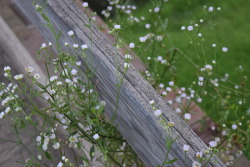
135	118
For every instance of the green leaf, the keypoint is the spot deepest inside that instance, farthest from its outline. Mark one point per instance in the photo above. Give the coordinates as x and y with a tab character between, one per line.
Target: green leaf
48	156
168	144
171	161
92	152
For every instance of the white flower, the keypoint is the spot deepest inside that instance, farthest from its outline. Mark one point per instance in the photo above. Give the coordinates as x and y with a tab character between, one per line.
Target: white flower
59	83
128	57
185	147
213	45
73	72
210	9
43	45
224	49
53	78
208	67
38	138
50	44
199	154
234	126
2	115
168	89
161	85
187	116
151	102
36	76
56	145
156	9
157	112
18	77
178	110
212	143
117	27
5	74
131	45
143	39
60	164
224	133
39	157
201	78
159	38
75	46
66	44
199	100
171	83
219	8
29	69
190	28
7	110
196	164
71	33
78	63
126	65
199	34
84	47
201	20
147	26
7	68
159	58
85	4
96	136
183	27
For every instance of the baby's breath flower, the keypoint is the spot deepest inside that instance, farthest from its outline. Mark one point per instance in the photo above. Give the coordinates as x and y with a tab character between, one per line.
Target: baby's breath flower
199	154
66	44
78	63
126	65
213	45
210	9
156	9
128	57
96	136
56	145
224	49
7	110
212	144
151	102
161	85
178	110
71	33
50	44
85	4
73	72
2	114
187	116
171	83
183	27
117	27
75	46
190	28
147	26
60	164
43	45
186	147
36	76
157	112
29	69
199	100
7	68
196	164
143	39
131	45
234	126
18	77
84	47
53	78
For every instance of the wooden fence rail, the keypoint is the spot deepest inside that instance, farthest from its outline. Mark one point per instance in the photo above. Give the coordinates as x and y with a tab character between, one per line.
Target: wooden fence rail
135	118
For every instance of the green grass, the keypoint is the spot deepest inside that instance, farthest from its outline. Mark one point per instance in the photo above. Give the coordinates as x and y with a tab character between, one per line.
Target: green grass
229	27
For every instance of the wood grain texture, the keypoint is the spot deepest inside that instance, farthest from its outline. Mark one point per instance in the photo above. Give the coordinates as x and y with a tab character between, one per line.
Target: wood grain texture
135	118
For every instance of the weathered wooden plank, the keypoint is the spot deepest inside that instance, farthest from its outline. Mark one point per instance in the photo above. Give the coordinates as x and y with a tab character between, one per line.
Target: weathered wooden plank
134	117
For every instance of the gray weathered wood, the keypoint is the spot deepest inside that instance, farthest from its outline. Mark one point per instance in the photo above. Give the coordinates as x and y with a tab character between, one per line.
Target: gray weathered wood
134	118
